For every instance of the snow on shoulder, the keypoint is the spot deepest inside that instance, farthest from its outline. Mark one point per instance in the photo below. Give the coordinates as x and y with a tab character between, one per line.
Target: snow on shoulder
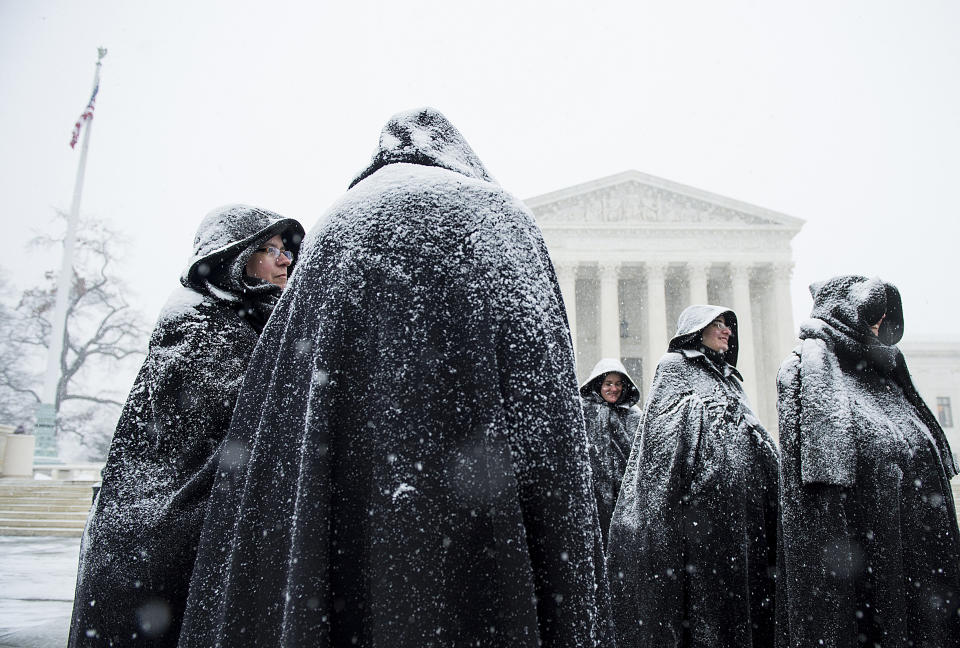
182	301
413	424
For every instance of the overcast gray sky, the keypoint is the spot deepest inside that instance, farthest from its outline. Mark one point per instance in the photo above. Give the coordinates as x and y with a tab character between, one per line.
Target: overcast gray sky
844	114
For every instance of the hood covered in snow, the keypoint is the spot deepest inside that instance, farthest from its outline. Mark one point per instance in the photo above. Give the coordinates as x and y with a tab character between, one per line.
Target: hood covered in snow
694	319
226	237
852	303
631	394
424	136
416	379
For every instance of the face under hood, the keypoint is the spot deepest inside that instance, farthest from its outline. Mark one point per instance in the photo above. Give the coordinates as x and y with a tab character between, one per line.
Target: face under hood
694	319
424	136
630	395
852	303
229	232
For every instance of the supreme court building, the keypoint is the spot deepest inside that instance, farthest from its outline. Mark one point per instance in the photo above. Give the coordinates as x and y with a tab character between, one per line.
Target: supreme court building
632	251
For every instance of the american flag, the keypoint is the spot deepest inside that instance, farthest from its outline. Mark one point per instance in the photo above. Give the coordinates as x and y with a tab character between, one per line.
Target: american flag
84	116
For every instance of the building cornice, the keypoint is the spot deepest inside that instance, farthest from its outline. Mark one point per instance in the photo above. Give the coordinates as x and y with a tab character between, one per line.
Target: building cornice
637	200
937	349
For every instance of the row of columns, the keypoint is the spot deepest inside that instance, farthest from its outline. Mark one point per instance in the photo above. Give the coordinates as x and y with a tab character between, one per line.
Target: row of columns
698	274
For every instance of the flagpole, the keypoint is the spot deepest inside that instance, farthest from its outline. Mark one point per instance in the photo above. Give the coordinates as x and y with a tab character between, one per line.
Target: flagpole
47	409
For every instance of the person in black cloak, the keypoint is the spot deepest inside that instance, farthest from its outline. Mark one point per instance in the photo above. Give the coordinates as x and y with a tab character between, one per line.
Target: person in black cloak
609	399
692	553
141	536
410	468
870	554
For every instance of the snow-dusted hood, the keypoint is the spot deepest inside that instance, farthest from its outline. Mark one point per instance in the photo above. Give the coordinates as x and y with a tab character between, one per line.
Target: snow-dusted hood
424	136
630	395
230	231
839	335
695	318
852	303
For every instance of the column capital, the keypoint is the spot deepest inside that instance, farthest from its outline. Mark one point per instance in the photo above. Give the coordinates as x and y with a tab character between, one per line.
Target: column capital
740	271
566	271
698	268
656	268
609	269
783	269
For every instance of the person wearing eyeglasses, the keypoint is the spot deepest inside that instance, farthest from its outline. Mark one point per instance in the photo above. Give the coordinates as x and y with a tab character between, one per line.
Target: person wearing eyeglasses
870	547
692	549
141	537
270	262
412	465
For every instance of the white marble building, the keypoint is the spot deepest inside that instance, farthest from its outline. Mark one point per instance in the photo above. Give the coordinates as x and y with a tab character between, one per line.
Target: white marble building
633	250
935	368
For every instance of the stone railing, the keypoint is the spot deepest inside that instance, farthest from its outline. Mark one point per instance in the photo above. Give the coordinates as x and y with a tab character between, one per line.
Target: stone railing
18	460
68	472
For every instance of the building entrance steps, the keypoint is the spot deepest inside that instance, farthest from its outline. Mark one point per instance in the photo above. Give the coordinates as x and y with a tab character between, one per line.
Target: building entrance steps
34	507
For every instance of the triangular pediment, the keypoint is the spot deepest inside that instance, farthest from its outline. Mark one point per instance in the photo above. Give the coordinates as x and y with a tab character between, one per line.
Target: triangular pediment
633	198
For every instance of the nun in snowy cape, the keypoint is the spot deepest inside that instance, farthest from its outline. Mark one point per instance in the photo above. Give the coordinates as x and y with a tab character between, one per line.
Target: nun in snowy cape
141	537
870	551
692	552
410	466
609	398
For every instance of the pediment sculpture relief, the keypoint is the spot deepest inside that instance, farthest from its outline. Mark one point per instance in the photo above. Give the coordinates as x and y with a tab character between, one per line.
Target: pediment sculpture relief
635	202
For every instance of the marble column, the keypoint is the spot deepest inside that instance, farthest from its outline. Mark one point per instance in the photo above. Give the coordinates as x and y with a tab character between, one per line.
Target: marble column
786	335
746	362
609	310
697	274
567	276
656	318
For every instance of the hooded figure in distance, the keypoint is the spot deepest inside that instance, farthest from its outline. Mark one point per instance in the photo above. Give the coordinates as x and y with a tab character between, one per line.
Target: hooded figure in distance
692	551
141	537
870	553
410	468
609	399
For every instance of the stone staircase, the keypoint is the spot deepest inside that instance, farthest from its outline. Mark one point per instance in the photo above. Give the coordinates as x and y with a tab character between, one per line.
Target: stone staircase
33	507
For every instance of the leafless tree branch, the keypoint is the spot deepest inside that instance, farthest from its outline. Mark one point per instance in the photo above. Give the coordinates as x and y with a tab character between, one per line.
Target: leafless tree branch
101	330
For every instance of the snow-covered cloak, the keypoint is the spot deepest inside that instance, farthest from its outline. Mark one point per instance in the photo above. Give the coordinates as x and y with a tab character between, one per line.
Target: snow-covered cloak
870	551
610	431
142	533
410	466
692	550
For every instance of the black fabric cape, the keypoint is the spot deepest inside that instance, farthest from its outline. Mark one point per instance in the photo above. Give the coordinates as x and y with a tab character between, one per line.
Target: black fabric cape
692	551
610	432
870	552
409	466
141	536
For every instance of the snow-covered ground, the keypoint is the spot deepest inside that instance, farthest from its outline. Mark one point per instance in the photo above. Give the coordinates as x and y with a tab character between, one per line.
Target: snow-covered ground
37	577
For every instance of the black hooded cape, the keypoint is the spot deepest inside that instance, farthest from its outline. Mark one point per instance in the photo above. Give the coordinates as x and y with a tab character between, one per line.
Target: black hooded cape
870	552
408	466
142	532
692	551
610	432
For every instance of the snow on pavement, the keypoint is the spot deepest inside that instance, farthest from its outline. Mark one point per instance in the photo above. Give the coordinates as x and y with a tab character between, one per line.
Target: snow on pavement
37	579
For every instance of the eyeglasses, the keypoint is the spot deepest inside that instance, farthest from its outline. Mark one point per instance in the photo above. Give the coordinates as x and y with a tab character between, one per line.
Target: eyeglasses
276	252
720	326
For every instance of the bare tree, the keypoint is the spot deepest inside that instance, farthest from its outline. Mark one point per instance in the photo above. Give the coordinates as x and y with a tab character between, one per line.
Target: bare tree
102	332
16	380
